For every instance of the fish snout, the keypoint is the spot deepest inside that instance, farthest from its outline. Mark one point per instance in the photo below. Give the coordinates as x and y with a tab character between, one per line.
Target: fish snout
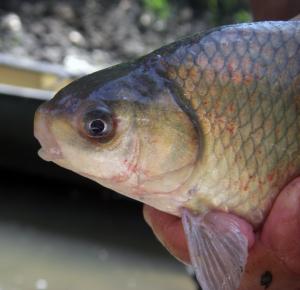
50	150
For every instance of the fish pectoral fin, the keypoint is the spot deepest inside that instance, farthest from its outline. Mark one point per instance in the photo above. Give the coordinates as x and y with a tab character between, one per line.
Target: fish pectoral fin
218	249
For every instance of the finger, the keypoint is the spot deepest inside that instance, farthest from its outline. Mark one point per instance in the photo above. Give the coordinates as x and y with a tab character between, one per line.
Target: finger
281	231
169	231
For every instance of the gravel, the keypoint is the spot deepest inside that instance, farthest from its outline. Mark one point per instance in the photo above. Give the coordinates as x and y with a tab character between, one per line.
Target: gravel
87	34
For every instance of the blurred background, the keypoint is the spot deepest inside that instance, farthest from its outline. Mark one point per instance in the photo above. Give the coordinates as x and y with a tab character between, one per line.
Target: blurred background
58	230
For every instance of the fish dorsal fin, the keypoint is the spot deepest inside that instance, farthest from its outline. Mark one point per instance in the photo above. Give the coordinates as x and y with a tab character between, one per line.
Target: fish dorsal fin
218	249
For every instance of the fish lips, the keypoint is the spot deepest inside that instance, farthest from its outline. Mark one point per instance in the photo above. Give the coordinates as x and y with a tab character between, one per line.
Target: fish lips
50	150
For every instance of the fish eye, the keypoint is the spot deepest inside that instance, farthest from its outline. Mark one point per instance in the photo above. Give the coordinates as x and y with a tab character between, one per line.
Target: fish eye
98	124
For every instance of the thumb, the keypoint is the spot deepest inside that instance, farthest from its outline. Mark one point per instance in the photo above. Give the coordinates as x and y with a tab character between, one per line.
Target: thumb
281	232
169	231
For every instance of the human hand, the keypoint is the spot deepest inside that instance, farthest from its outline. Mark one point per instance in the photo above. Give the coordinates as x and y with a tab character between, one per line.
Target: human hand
274	258
275	10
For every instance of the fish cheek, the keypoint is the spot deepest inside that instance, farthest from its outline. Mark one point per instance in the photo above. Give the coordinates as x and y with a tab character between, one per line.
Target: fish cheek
74	148
168	151
96	160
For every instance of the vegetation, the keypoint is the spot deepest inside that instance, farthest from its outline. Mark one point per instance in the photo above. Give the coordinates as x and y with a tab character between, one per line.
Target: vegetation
224	11
220	11
161	8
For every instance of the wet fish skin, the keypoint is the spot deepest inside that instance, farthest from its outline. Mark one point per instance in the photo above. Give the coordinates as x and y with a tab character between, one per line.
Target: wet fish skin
241	85
209	123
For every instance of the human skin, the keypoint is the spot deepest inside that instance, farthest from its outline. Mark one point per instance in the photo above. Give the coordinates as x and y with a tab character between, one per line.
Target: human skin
276	247
275	9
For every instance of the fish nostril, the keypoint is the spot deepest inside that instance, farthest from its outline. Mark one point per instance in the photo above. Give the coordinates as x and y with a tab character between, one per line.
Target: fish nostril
50	150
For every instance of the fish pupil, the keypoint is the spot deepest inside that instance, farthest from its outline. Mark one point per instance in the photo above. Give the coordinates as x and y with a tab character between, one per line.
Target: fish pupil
98	124
97	127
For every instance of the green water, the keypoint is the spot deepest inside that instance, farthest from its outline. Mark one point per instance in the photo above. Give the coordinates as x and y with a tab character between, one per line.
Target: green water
50	242
31	259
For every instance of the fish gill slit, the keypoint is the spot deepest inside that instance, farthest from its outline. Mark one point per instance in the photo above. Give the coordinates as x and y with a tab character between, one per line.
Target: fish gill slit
186	106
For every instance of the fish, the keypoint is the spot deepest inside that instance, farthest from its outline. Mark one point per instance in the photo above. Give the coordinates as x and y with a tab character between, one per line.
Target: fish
205	128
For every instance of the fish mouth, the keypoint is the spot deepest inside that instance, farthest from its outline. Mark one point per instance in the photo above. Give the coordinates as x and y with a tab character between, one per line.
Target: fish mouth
50	150
50	154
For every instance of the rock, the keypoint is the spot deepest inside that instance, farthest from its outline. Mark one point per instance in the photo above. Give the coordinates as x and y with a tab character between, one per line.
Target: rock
11	22
64	11
89	34
146	19
76	38
78	64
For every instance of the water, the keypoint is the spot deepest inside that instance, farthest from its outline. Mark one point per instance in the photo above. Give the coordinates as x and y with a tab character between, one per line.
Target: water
51	241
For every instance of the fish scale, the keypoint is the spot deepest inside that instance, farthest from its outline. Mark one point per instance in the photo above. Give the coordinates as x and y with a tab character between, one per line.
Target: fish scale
243	82
206	128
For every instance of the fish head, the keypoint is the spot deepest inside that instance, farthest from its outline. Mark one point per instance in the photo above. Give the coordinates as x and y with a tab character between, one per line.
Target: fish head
121	128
